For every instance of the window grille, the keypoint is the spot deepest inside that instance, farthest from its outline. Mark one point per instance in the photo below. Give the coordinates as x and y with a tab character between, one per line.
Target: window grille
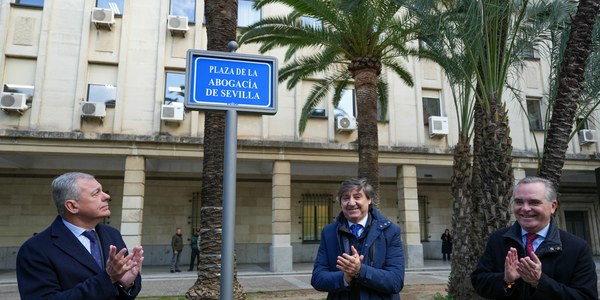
316	214
424	218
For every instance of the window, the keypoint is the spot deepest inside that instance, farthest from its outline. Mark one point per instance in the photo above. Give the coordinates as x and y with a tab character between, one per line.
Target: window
174	87
35	3
22	89
347	105
185	8
315	215
247	14
380	115
115	5
102	84
530	53
582	123
423	218
311	22
423	45
19	77
318	113
534	114
102	93
432	105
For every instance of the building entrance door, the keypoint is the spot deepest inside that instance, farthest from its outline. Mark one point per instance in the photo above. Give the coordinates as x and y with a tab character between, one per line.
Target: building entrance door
576	224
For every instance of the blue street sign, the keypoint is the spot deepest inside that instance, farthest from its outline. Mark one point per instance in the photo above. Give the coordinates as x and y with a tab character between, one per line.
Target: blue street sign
227	80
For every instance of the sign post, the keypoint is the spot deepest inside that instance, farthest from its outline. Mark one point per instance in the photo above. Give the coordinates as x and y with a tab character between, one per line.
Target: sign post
231	82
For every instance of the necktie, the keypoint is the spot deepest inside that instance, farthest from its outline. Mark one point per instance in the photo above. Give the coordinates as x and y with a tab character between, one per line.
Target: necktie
355	228
530	237
94	249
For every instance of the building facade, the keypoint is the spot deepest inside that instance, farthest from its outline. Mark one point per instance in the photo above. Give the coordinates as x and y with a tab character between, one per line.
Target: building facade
96	86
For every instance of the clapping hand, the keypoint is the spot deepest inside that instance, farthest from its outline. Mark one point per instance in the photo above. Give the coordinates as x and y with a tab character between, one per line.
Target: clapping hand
123	268
350	264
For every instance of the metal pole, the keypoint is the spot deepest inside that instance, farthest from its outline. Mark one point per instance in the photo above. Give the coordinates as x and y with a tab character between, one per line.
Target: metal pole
229	189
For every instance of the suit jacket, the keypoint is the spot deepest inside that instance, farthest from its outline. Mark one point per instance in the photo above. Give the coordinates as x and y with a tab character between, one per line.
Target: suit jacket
382	271
568	268
55	265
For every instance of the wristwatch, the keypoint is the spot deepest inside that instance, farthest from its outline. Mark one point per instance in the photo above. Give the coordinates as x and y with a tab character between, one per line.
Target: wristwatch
127	289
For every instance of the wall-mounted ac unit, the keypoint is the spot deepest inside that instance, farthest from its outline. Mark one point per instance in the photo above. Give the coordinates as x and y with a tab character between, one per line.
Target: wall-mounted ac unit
172	112
587	136
438	126
93	109
178	24
103	17
13	101
345	123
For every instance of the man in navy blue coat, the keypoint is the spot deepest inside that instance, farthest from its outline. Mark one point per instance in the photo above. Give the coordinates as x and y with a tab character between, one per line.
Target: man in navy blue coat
57	263
360	255
551	264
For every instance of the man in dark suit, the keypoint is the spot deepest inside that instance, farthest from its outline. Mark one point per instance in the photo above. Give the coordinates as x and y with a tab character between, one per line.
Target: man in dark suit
59	262
534	259
360	255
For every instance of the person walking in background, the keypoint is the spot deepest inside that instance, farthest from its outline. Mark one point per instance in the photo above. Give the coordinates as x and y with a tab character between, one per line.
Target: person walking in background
195	244
446	245
177	247
360	255
534	259
77	257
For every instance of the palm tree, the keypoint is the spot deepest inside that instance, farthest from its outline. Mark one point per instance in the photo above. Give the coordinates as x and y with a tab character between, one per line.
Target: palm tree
477	43
221	25
570	85
437	35
354	41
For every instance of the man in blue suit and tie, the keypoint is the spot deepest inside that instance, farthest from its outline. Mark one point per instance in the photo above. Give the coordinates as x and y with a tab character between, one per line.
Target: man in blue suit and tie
76	257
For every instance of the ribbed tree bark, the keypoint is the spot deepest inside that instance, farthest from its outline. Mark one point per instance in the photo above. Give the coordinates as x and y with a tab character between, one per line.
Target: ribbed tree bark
570	83
463	228
365	72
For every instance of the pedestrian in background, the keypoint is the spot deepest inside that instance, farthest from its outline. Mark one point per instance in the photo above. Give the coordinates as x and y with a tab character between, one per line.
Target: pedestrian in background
446	245
177	246
195	244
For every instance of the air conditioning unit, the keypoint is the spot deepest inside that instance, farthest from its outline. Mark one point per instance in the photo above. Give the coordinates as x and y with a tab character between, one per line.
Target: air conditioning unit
438	126
103	17
587	136
179	23
13	101
345	123
172	112
93	109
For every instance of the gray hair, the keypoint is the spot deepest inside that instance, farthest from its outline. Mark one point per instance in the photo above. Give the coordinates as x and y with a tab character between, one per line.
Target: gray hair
65	187
550	189
356	183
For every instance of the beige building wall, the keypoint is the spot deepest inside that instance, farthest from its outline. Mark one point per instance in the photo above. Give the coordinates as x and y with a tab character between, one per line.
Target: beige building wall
58	50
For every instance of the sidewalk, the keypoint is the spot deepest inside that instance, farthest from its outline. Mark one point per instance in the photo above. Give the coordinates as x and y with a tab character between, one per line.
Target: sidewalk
158	281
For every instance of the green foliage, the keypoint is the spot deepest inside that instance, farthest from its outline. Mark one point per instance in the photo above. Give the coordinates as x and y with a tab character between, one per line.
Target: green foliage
345	33
439	296
163	298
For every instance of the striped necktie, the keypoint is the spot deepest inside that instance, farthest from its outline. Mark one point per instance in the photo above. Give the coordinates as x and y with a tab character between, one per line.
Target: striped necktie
530	237
355	228
94	247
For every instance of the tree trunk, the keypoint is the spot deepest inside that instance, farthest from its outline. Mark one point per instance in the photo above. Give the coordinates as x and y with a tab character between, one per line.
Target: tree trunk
221	24
570	82
365	81
463	227
496	171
